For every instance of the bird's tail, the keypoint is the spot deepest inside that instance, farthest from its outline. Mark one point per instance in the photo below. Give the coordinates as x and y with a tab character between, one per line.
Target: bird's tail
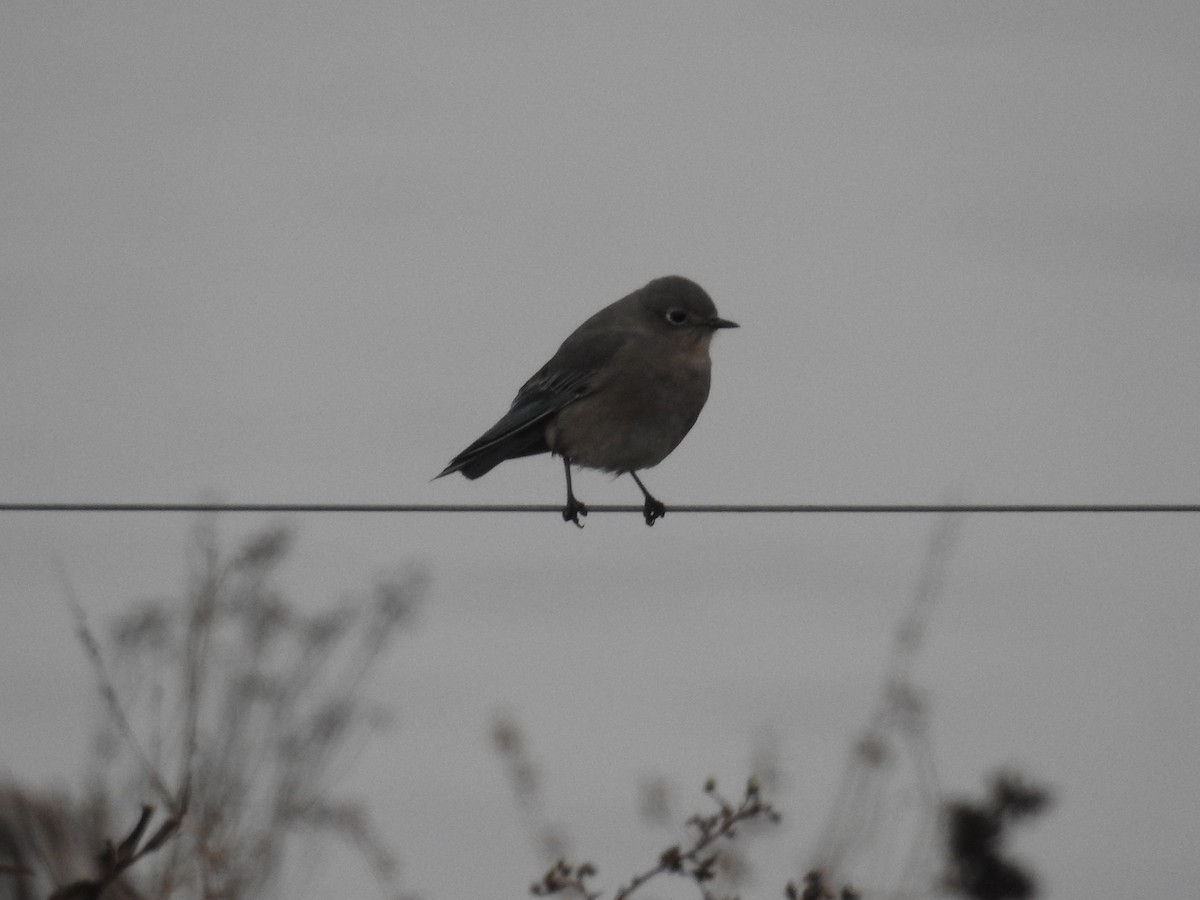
483	456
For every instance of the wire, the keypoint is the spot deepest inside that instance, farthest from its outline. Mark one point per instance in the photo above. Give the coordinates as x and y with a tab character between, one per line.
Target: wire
752	508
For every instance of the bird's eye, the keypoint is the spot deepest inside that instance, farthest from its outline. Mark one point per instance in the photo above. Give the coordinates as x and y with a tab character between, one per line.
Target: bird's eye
676	316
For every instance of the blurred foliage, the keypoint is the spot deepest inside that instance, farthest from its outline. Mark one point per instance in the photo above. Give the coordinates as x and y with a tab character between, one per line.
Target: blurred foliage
697	859
229	707
976	833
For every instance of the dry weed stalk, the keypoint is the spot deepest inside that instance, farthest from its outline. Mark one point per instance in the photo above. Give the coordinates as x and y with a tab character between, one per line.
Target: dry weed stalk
114	860
698	861
549	839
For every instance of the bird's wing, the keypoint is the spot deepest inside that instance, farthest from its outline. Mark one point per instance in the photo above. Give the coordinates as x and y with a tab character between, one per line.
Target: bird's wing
575	371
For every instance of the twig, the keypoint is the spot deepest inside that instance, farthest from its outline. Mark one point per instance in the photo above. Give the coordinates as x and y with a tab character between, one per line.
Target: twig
107	689
115	860
695	862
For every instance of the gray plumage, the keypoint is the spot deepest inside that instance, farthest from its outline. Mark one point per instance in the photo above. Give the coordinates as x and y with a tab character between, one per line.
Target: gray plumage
619	395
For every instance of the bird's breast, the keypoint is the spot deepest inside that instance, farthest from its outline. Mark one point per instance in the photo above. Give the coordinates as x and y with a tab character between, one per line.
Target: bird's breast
637	416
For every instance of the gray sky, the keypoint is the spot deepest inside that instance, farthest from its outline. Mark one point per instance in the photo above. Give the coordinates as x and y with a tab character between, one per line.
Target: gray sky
303	252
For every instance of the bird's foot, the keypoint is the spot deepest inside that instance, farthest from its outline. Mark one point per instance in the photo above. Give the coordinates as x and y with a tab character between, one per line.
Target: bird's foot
653	510
573	510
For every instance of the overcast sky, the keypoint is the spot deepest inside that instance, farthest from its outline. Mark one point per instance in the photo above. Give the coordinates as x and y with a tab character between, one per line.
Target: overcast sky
297	252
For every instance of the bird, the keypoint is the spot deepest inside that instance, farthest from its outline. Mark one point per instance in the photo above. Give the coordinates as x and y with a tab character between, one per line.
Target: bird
619	395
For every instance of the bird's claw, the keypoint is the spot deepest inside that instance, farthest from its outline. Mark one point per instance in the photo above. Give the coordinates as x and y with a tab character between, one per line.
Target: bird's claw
573	510
654	509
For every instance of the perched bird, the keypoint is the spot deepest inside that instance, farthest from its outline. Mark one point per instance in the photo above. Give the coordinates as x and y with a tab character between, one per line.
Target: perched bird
619	395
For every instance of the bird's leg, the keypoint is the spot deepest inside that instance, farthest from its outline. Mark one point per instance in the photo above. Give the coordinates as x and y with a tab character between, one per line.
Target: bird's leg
574	509
654	508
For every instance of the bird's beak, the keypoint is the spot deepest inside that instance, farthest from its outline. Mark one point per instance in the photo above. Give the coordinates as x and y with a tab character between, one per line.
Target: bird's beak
716	322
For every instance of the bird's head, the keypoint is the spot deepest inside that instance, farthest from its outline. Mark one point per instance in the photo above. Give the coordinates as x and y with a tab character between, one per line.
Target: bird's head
676	304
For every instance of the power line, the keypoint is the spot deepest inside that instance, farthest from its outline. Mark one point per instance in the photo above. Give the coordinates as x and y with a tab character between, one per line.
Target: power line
749	508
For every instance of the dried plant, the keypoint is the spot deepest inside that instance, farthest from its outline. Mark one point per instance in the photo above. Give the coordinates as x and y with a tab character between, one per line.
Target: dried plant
231	706
735	868
48	838
697	860
817	887
976	832
114	860
549	838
